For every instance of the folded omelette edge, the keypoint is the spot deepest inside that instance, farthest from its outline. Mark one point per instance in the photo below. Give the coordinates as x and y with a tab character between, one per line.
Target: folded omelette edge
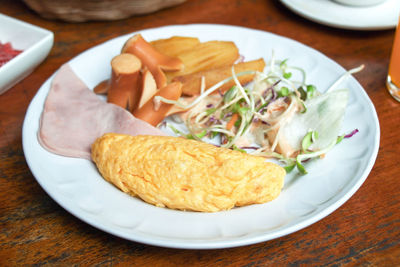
185	174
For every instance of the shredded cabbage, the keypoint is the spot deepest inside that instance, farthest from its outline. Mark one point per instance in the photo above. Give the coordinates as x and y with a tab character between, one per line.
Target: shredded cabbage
278	115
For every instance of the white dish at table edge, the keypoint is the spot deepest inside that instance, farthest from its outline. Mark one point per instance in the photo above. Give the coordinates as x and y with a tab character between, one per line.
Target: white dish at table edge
375	17
77	186
35	43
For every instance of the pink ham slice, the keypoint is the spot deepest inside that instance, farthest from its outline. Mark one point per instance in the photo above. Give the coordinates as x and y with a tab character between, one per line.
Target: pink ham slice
74	117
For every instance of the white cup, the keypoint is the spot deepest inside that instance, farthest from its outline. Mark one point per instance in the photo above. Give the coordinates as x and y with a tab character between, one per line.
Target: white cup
360	3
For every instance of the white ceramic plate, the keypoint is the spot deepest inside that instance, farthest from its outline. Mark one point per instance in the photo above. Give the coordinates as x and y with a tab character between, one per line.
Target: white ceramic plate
77	186
35	42
378	17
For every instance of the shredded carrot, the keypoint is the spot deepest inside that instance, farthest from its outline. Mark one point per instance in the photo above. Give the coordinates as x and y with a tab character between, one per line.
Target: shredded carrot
278	108
232	121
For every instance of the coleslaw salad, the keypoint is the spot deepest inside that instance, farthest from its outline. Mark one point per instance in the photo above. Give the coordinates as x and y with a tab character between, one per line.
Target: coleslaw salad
278	115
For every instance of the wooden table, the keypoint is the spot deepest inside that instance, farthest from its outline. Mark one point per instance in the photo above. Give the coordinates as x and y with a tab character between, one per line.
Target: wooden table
364	231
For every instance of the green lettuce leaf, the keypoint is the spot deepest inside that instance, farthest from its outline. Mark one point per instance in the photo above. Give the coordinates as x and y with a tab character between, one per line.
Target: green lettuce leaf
324	115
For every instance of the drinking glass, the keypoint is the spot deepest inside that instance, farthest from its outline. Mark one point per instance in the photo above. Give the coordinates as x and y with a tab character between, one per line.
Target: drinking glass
393	77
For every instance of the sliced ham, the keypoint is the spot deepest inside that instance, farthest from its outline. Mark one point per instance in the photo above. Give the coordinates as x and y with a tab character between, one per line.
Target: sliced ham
74	117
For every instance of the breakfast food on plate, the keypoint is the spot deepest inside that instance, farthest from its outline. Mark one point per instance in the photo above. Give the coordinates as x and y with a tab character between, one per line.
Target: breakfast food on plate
278	115
206	55
155	61
191	83
148	87
137	76
185	174
175	45
177	60
73	117
253	110
123	86
153	112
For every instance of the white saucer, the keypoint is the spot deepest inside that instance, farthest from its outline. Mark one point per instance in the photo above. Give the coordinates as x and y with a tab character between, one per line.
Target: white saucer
379	17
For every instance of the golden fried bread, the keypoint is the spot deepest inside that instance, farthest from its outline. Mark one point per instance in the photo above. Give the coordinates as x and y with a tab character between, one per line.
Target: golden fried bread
185	174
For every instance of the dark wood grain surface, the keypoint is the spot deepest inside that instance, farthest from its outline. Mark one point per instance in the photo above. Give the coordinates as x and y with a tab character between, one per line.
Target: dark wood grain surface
365	231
